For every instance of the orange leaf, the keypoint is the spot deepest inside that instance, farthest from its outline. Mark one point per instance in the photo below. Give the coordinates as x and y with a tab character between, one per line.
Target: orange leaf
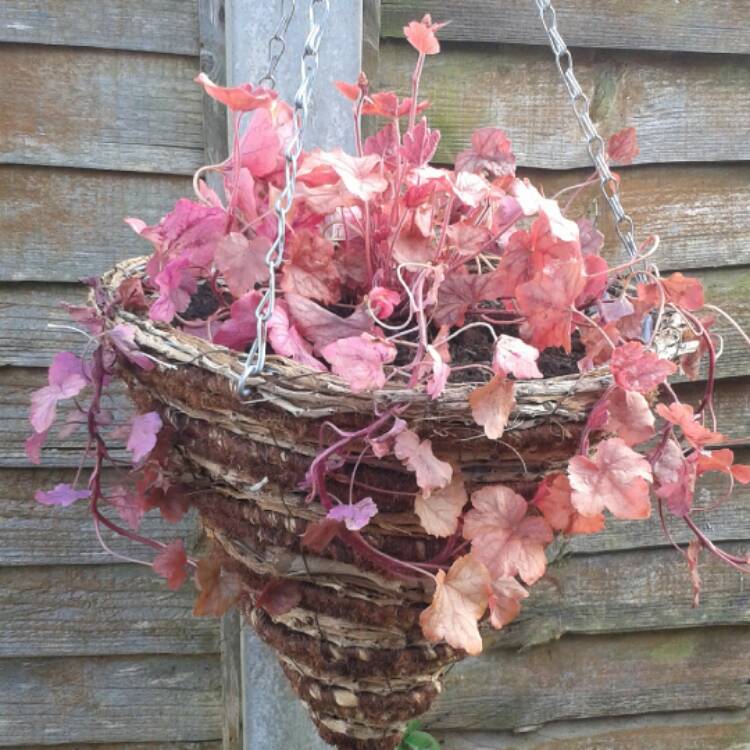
505	601
491	405
459	602
553	500
432	473
683	416
421	35
218	589
438	513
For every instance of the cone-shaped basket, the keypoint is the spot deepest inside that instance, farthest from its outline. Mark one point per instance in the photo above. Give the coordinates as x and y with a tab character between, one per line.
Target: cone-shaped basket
352	648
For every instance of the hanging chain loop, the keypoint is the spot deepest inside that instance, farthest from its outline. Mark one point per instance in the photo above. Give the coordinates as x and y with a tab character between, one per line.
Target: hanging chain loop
277	43
317	16
595	143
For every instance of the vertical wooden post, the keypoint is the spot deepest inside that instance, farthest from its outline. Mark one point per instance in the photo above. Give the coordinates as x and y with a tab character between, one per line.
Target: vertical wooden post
273	718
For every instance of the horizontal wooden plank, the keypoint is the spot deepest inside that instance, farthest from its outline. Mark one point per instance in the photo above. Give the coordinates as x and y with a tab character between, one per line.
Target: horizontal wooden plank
731	398
61	224
684	108
99	109
98	610
148	25
644	589
699	25
110	700
701	212
585	677
687	730
34	534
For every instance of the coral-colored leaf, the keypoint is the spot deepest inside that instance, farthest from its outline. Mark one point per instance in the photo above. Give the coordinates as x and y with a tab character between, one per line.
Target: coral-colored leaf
459	602
723	461
491	405
242	262
553	498
636	368
683	416
629	416
680	290
62	494
622	147
617	478
490	152
431	473
243	98
504	536
505	601
355	516
309	269
513	357
143	434
171	563
421	35
279	596
218	588
359	360
439	512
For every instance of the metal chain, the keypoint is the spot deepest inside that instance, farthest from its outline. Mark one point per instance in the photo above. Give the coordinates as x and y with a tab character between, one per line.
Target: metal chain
594	142
277	43
256	357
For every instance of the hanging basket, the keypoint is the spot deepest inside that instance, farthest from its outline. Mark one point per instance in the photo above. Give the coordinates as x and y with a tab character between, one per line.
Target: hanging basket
352	646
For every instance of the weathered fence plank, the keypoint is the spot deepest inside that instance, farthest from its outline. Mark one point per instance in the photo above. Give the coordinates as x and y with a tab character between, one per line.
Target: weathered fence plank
589	676
97	610
109	699
686	730
100	109
146	25
685	109
61	224
698	25
34	534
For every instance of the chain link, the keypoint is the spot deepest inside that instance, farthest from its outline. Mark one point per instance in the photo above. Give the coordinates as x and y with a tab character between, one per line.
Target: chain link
277	43
256	357
594	142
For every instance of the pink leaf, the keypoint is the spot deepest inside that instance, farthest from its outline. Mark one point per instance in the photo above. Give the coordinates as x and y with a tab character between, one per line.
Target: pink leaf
490	152
62	494
629	416
617	478
171	563
66	379
513	357
359	360
143	435
33	447
459	601
504	537
241	327
439	512
122	337
431	473
287	341
361	175
241	98
440	373
636	368
176	284
242	262
356	516
420	144
321	326
505	601
383	301
492	404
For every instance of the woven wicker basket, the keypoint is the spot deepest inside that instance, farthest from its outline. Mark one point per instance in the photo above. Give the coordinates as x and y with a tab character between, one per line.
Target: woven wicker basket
352	649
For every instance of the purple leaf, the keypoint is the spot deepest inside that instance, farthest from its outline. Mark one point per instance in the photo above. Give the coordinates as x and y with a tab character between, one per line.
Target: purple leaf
63	495
143	435
66	379
122	337
355	517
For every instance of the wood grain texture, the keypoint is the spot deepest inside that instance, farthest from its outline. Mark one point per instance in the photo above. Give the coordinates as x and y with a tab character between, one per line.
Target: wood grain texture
684	108
687	730
232	677
697	25
626	591
97	610
100	109
732	402
586	677
110	700
147	25
34	534
61	224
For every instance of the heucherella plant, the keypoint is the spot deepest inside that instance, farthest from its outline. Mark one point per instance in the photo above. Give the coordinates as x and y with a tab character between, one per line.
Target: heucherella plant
397	271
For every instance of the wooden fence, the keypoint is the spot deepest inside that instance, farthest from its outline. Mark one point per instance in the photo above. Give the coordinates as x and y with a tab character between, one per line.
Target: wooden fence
100	120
